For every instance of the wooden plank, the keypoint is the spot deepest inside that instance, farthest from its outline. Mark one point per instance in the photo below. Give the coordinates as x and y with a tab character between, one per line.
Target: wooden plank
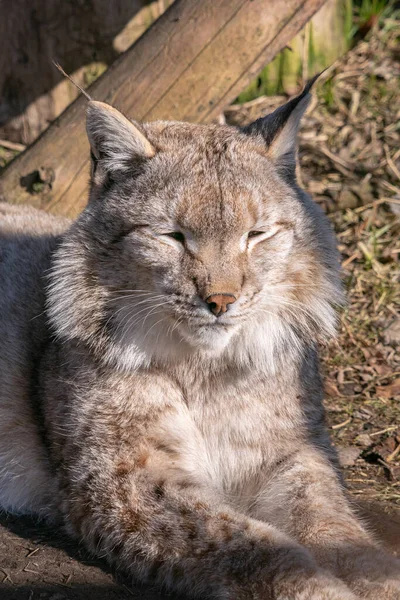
192	62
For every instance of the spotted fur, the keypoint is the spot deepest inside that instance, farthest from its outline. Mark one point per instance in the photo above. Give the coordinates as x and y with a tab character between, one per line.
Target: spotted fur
188	449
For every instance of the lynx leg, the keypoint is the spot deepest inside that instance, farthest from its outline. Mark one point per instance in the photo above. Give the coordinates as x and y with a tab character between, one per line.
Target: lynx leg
180	539
306	500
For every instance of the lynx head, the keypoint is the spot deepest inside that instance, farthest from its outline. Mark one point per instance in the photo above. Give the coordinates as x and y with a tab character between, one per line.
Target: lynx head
197	241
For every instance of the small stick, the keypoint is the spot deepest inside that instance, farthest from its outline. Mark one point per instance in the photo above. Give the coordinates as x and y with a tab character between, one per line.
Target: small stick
393	455
12	145
390	161
384	430
128	590
376	203
7	576
339	425
26	570
350	259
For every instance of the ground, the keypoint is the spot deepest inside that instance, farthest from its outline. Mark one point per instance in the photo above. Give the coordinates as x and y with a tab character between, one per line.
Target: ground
350	163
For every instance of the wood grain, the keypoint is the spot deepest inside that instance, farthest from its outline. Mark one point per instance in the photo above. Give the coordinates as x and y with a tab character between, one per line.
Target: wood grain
188	65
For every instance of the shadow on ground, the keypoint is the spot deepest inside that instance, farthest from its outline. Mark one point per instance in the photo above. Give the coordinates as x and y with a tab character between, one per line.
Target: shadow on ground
38	563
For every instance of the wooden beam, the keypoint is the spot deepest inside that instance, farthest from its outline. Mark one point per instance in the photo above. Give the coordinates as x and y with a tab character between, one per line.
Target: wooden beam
188	65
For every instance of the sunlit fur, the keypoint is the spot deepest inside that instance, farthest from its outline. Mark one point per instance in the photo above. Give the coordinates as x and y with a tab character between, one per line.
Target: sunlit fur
136	296
187	449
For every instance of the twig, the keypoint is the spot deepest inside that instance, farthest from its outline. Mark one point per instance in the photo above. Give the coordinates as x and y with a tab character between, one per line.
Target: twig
376	203
384	430
12	145
350	259
7	576
26	570
339	425
336	159
393	455
128	590
390	162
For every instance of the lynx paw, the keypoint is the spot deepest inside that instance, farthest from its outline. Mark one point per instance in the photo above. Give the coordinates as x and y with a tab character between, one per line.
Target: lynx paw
374	575
325	588
319	587
372	590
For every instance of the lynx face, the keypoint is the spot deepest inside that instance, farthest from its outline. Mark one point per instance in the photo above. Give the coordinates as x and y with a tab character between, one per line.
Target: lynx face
196	241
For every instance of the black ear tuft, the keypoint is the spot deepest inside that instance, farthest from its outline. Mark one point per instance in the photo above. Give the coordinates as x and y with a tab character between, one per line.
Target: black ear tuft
279	130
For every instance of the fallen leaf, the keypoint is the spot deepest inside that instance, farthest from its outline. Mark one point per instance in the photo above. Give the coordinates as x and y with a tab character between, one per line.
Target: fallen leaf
364	439
391	335
348	456
331	389
389	391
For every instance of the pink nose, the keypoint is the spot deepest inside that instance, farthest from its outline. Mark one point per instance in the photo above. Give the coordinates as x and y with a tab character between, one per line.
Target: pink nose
218	303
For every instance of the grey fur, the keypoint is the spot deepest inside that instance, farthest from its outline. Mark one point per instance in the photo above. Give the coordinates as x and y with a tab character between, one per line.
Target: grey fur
188	449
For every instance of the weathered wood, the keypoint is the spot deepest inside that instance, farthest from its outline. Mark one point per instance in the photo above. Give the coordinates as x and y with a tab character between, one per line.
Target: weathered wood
84	36
325	38
191	62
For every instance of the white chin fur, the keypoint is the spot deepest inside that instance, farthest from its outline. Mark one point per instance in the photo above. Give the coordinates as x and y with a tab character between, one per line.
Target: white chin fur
137	350
209	339
258	343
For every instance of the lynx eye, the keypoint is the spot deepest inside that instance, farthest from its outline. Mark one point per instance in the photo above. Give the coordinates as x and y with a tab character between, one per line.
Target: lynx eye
176	235
253	234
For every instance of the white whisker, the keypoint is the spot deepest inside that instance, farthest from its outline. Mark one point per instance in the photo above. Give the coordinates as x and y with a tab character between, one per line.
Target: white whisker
154	324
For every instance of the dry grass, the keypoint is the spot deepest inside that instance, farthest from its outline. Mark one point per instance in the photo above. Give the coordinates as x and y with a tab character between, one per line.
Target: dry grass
350	157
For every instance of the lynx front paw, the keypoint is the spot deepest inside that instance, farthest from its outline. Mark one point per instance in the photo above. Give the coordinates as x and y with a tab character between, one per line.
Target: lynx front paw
372	574
321	586
373	590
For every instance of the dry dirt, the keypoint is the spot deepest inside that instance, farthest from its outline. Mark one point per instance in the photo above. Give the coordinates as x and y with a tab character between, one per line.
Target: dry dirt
349	151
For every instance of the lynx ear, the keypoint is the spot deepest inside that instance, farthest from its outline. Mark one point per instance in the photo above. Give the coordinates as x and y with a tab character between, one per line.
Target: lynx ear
279	130
116	143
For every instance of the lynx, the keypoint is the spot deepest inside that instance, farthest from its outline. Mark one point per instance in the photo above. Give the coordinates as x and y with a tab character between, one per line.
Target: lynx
160	395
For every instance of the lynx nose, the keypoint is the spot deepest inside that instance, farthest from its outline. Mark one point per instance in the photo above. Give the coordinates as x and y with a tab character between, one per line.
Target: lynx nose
218	303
